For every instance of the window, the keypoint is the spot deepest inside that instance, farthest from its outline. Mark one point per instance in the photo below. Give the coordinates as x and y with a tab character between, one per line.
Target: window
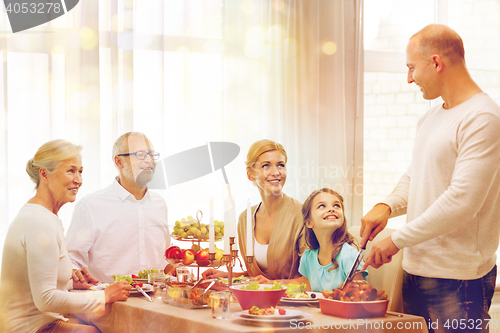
392	107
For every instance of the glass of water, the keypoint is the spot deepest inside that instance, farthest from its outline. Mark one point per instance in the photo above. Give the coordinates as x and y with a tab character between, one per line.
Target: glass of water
219	302
183	274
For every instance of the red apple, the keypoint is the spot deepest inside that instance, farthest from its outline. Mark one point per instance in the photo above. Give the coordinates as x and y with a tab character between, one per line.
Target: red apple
202	258
188	256
167	252
175	254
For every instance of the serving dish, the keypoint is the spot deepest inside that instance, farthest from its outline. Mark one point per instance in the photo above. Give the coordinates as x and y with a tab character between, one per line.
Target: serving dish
184	295
259	298
366	309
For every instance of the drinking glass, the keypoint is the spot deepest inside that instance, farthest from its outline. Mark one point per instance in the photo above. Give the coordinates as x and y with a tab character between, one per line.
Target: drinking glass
158	284
155	279
183	274
219	302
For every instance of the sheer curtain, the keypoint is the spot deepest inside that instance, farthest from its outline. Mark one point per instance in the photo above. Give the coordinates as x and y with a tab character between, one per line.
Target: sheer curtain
188	72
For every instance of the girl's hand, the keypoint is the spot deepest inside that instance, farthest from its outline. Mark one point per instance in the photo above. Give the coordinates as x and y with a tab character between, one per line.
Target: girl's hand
117	291
213	274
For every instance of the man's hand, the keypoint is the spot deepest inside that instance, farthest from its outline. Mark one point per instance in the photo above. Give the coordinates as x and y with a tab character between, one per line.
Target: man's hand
381	253
117	291
82	279
374	222
213	274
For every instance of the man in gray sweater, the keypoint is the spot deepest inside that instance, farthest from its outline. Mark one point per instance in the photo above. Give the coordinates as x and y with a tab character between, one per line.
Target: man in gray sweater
450	193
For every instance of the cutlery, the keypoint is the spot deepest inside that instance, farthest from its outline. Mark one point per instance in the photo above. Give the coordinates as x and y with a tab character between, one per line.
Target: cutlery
354	267
144	293
197	283
209	286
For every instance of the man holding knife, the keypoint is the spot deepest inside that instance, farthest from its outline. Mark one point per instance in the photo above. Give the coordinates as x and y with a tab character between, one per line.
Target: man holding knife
450	192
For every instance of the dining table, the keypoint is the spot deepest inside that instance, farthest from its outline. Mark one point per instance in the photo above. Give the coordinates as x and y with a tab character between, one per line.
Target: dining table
136	315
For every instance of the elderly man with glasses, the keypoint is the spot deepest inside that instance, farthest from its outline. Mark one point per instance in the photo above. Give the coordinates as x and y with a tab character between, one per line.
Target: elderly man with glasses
122	229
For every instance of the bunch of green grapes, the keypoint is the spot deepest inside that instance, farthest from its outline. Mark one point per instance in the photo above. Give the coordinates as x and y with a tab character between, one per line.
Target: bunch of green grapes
189	228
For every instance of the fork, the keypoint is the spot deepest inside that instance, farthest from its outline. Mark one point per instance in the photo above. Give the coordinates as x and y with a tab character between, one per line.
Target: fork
144	293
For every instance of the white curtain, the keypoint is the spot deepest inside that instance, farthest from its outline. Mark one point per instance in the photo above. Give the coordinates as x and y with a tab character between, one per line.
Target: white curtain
188	72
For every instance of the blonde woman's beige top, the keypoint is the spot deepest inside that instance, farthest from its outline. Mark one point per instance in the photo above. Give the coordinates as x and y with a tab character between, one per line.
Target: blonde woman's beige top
286	245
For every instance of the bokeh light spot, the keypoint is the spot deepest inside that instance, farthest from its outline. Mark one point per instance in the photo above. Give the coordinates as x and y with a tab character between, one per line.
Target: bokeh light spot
329	48
88	38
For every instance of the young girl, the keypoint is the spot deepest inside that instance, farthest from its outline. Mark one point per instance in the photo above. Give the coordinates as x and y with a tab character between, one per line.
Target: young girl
332	250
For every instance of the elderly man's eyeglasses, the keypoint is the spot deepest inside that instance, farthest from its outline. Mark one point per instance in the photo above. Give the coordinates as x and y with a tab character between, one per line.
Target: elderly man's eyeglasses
141	155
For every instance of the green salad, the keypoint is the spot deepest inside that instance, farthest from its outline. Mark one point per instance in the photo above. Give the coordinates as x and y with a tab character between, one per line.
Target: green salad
237	279
294	289
144	274
122	277
255	286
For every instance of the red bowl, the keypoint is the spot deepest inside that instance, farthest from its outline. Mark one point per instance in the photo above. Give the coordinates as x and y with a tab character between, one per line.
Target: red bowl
342	309
259	298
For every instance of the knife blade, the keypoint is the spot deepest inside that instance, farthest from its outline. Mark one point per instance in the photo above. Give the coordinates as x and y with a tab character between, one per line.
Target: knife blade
354	267
144	293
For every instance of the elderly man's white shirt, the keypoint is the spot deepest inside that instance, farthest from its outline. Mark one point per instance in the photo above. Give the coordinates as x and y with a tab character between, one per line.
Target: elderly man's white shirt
113	233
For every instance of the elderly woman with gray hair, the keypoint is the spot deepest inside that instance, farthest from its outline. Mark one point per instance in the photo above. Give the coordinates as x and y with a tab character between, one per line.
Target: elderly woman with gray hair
36	268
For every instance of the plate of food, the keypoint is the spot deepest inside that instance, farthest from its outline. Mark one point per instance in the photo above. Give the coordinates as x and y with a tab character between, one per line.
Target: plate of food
146	287
142	276
272	315
306	297
296	293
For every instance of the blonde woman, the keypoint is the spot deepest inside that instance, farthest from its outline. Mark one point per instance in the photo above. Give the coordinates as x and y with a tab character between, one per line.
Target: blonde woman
277	220
36	268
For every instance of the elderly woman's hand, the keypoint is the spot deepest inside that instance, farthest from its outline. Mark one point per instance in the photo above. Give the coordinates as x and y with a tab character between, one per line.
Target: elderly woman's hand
117	291
82	279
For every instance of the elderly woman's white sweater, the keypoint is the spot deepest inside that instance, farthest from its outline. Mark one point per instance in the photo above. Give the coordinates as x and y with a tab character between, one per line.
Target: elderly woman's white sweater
36	272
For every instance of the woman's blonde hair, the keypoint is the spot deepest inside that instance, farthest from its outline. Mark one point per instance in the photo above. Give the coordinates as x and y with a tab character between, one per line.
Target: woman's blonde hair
260	147
49	156
339	237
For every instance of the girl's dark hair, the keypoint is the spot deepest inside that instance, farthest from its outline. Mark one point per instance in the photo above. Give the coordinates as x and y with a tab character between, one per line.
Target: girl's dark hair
339	237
